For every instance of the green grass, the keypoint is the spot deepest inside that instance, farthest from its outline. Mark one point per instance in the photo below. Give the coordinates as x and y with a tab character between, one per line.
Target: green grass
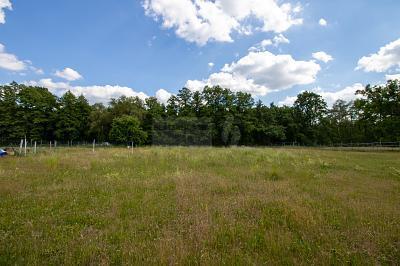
200	206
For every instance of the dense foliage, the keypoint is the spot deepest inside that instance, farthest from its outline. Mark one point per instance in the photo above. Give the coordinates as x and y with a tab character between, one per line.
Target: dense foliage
227	118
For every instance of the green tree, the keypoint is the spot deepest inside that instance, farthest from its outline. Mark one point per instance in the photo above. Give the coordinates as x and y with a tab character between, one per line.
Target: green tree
126	129
197	104
83	110
173	106
230	134
132	106
12	126
154	112
38	106
185	102
310	110
379	111
72	118
100	120
232	118
341	126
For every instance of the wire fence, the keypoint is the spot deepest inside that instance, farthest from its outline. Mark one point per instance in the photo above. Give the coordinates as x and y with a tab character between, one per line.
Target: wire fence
29	147
362	146
25	148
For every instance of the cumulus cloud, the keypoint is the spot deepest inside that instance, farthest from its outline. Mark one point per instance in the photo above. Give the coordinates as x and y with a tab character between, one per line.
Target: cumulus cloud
211	65
163	96
196	85
288	101
10	61
94	94
201	21
265	43
4	4
262	46
259	73
68	74
280	39
276	41
346	94
386	58
393	77
322	22
322	56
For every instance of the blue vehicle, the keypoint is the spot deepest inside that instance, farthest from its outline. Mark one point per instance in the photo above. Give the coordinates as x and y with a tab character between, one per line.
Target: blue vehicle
2	153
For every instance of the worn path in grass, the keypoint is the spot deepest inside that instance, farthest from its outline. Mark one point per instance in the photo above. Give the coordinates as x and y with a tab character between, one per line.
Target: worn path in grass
200	206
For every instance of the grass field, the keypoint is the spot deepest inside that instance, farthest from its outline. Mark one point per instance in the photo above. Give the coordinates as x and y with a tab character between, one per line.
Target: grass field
200	206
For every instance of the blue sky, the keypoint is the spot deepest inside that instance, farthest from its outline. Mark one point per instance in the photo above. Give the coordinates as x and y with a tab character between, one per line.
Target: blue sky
108	48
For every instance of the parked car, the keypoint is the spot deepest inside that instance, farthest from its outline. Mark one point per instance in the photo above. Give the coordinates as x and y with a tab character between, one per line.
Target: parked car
2	153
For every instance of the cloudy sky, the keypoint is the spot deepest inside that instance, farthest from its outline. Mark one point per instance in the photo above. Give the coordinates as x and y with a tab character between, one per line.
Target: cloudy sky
273	49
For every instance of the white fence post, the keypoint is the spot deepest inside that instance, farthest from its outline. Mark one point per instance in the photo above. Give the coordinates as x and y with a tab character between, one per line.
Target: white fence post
20	146
25	146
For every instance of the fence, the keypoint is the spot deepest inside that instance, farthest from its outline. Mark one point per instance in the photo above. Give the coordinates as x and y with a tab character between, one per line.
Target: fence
189	131
196	138
26	147
383	146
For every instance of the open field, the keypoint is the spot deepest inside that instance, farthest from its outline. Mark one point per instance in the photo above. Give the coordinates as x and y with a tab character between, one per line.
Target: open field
200	206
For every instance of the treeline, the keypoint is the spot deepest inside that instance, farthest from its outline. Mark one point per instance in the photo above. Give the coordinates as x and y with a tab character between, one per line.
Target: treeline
232	118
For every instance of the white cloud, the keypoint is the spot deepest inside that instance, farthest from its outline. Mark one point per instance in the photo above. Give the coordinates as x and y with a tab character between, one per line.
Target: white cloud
276	41
55	87
95	94
211	65
201	21
262	46
346	94
163	96
259	73
196	85
393	77
386	58
297	9
105	93
288	101
322	56
265	43
68	74
10	61
322	22
280	39
4	4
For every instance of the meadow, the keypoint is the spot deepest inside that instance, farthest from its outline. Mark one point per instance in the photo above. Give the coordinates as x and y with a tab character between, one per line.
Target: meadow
208	206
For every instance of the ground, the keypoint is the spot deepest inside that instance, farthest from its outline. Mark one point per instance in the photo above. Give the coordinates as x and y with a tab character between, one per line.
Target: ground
200	206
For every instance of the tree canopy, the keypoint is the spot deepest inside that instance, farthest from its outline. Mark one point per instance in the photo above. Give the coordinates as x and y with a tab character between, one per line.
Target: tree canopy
225	117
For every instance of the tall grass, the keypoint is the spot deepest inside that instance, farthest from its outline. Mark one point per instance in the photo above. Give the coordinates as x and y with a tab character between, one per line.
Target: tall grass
200	206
